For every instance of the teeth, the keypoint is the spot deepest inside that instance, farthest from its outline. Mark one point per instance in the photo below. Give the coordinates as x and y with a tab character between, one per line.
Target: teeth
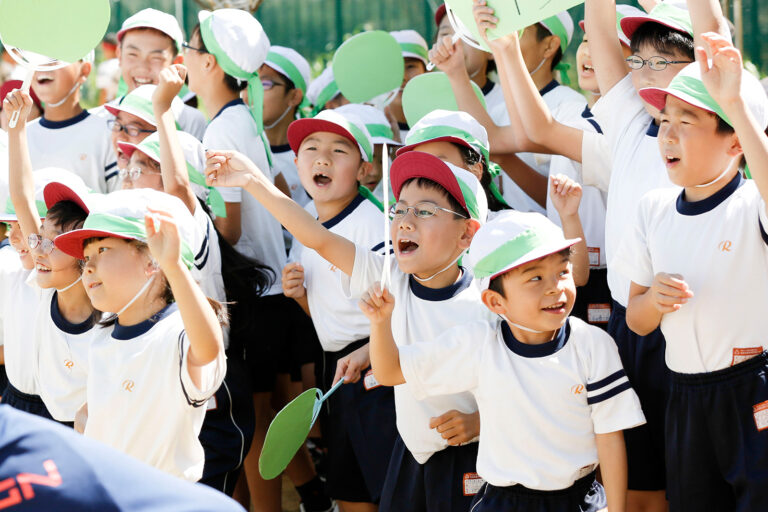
42	268
142	81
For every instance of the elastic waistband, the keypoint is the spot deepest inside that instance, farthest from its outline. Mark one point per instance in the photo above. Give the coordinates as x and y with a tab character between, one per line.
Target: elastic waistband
582	485
24	396
721	376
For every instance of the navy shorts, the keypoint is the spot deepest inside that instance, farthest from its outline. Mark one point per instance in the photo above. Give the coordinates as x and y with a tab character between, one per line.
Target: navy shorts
717	439
585	495
447	482
228	429
593	300
359	430
646	368
31	404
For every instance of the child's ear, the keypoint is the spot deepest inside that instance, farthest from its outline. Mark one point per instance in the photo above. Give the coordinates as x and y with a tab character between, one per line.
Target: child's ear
296	97
477	170
85	70
493	301
470	228
364	170
735	148
553	44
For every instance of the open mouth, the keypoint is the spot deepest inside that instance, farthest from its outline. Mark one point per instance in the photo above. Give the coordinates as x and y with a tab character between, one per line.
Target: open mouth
42	269
671	160
587	68
557	308
322	180
405	246
139	81
91	286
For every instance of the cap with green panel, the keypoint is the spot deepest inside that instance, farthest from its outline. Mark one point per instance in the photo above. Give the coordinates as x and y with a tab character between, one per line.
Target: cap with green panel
155	20
375	121
138	102
322	90
450	126
665	13
347	125
42	178
428	92
413	46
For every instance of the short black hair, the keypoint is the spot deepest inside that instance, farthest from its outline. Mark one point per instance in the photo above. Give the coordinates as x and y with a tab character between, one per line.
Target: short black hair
428	184
67	215
232	83
662	39
496	283
543	32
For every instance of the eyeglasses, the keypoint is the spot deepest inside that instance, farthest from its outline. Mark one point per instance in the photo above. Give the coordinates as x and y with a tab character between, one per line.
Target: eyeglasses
45	244
134	172
130	129
268	84
420	210
655	63
186	47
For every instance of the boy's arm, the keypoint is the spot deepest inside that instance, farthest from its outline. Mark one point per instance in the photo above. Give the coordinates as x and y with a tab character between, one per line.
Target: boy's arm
21	182
292	280
232	169
524	176
377	305
566	197
604	44
647	306
612	454
173	165
707	16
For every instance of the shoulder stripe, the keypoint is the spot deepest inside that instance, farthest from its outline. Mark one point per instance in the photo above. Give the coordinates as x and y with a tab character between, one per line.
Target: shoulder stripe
762	231
594	386
190	401
592	400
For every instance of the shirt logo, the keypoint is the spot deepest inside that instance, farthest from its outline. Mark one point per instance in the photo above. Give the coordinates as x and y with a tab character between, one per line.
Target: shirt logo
128	385
69	363
332	268
577	389
725	246
83	156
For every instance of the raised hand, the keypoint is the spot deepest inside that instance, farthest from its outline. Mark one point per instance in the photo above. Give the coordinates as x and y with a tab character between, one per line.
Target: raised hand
163	238
722	77
485	19
377	304
293	281
230	169
447	55
169	83
18	100
565	194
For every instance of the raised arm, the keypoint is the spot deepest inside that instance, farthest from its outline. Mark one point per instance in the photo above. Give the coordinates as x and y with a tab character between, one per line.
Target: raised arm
21	182
604	44
378	304
707	16
232	169
566	197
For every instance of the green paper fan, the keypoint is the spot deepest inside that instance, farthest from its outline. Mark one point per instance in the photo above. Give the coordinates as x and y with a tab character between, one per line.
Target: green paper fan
289	430
65	30
428	92
368	65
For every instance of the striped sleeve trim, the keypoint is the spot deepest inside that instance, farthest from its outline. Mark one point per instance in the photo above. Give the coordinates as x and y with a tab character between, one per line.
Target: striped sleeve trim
607	387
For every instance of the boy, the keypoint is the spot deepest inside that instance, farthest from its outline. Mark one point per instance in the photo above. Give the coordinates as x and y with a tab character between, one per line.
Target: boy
697	257
539	444
323	92
68	136
148	42
414	49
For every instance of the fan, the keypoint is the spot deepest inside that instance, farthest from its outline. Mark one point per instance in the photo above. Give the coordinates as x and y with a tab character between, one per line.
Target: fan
246	5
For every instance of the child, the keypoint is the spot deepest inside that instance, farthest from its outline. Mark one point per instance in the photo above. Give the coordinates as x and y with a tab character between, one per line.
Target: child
323	93
696	257
415	50
68	136
539	444
148	42
161	355
433	472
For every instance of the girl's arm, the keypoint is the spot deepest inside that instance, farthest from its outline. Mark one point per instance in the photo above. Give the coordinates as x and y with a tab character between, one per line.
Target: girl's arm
21	182
173	165
524	176
604	44
378	304
612	454
232	169
707	16
566	197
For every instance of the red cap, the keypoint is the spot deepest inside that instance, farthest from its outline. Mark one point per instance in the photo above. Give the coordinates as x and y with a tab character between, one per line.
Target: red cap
55	192
10	85
417	164
303	128
439	14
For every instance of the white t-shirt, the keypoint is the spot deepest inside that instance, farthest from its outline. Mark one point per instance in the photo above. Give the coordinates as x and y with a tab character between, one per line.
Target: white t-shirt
596	160
9	263
80	145
494	102
566	106
192	121
282	163
20	302
719	247
636	166
61	358
592	206
421	314
262	236
337	318
207	266
540	405
141	399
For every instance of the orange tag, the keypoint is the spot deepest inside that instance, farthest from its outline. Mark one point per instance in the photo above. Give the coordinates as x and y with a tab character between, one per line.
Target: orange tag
211	404
370	381
742	354
472	484
598	313
594	256
760	412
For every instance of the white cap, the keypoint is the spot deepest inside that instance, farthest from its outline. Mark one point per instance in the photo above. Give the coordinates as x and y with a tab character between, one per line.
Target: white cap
345	124
239	35
412	44
322	89
451	126
154	19
138	102
42	178
561	25
289	63
512	239
375	121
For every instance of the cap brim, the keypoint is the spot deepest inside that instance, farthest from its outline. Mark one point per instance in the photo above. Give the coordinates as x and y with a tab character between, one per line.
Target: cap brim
8	217
303	128
540	252
116	109
439	14
581	25
128	149
385	140
71	243
629	24
455	140
417	164
657	98
55	192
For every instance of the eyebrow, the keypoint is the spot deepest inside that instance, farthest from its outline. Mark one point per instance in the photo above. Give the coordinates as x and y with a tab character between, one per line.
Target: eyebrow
134	47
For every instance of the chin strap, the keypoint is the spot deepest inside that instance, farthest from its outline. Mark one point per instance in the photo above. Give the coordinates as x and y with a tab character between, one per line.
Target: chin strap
61	102
538	67
138	294
522	327
62	290
439	271
282	116
721	176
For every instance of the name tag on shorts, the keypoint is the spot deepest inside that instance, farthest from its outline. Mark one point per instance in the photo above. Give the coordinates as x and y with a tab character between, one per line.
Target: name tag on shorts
742	354
598	313
472	484
211	404
369	381
760	412
594	256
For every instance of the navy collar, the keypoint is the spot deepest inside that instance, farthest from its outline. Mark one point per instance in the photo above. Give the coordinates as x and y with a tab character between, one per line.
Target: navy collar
345	212
590	118
438	294
55	125
549	87
710	203
488	87
587	113
63	324
543	350
282	148
403	126
238	101
121	332
653	129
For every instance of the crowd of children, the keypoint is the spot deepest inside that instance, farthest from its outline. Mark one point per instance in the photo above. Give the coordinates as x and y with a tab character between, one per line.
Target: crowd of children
563	316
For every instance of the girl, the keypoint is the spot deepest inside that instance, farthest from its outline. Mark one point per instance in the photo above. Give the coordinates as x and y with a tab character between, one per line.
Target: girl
161	355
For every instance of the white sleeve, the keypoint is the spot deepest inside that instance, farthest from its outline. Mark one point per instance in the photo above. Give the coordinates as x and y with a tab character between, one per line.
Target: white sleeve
211	375
215	138
449	364
618	109
366	271
763	218
595	160
614	404
192	121
633	259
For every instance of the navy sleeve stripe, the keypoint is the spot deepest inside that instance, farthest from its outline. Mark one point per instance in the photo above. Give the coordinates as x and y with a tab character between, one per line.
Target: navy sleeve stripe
377	247
762	231
190	401
592	400
111	175
110	166
594	386
595	125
